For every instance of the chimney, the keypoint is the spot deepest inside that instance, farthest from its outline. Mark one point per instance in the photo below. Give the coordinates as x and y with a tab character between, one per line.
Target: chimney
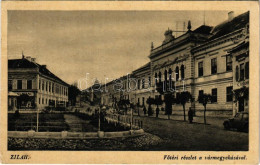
230	15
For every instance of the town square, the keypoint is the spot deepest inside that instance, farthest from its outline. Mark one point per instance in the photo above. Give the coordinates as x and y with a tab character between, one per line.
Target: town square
128	81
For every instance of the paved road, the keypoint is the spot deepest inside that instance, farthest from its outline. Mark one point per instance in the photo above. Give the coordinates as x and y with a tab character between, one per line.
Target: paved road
213	121
180	135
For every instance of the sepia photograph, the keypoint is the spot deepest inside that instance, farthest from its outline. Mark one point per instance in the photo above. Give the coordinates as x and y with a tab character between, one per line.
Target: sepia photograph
128	80
118	82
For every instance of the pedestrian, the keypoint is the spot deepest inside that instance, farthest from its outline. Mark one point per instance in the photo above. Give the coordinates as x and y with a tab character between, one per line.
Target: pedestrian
144	110
157	112
190	114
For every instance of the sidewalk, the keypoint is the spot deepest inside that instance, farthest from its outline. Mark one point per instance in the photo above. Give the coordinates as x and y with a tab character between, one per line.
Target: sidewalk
213	121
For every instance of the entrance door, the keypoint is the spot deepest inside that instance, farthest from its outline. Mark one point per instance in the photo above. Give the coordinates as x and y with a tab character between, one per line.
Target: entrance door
241	105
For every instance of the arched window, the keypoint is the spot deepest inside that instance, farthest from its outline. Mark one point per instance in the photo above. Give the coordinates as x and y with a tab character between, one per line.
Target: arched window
165	75
138	84
237	73
182	71
160	77
165	78
155	77
177	73
170	77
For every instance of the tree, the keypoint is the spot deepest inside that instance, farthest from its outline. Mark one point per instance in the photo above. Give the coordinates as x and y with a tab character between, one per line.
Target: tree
150	101
73	92
169	100
123	104
182	99
241	93
168	97
204	99
158	101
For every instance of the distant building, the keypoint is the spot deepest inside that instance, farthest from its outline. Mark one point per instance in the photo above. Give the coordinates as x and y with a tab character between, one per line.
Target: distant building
143	88
31	86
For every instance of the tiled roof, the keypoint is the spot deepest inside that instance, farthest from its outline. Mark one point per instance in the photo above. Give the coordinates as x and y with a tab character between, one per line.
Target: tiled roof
143	67
203	29
230	26
24	63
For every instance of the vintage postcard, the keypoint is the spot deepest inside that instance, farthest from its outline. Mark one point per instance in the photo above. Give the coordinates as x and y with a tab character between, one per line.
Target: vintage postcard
120	82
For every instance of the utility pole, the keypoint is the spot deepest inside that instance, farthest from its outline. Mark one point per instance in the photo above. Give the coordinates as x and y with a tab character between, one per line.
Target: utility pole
37	126
99	119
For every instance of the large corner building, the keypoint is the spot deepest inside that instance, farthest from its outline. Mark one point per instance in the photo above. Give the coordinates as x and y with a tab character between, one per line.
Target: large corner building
32	86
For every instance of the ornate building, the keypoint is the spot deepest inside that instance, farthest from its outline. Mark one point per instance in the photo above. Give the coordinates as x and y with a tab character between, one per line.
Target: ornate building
199	61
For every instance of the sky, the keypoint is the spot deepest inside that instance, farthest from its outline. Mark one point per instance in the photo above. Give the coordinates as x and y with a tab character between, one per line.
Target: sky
102	43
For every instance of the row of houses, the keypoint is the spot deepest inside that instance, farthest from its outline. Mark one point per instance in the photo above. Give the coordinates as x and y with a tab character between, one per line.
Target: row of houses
213	60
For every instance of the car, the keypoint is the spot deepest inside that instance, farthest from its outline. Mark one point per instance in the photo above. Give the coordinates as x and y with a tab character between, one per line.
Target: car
239	122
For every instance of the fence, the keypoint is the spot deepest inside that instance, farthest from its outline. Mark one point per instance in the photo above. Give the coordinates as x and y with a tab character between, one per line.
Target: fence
124	120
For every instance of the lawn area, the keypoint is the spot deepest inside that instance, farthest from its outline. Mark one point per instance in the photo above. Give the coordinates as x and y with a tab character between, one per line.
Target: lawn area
28	121
55	122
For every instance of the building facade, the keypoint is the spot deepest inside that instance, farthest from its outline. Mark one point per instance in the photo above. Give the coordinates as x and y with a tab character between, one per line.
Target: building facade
203	60
32	86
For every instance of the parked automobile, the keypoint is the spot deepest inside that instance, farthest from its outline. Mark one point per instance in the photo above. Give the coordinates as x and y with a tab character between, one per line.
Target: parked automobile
239	122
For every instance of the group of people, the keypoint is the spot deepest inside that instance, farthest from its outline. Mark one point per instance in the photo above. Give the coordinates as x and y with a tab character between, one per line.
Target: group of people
190	113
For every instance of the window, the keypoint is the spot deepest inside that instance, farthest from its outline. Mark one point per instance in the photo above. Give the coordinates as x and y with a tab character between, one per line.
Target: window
247	70
201	92
39	100
149	79
214	93
155	76
42	100
143	83
229	94
10	85
19	84
242	72
170	77
43	85
29	84
52	87
160	77
46	86
200	67
39	84
182	72
49	87
138	84
143	100
237	73
165	77
177	73
228	63
214	66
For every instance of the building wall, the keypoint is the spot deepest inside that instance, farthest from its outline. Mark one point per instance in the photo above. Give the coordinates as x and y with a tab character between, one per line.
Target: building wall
36	91
221	80
52	90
